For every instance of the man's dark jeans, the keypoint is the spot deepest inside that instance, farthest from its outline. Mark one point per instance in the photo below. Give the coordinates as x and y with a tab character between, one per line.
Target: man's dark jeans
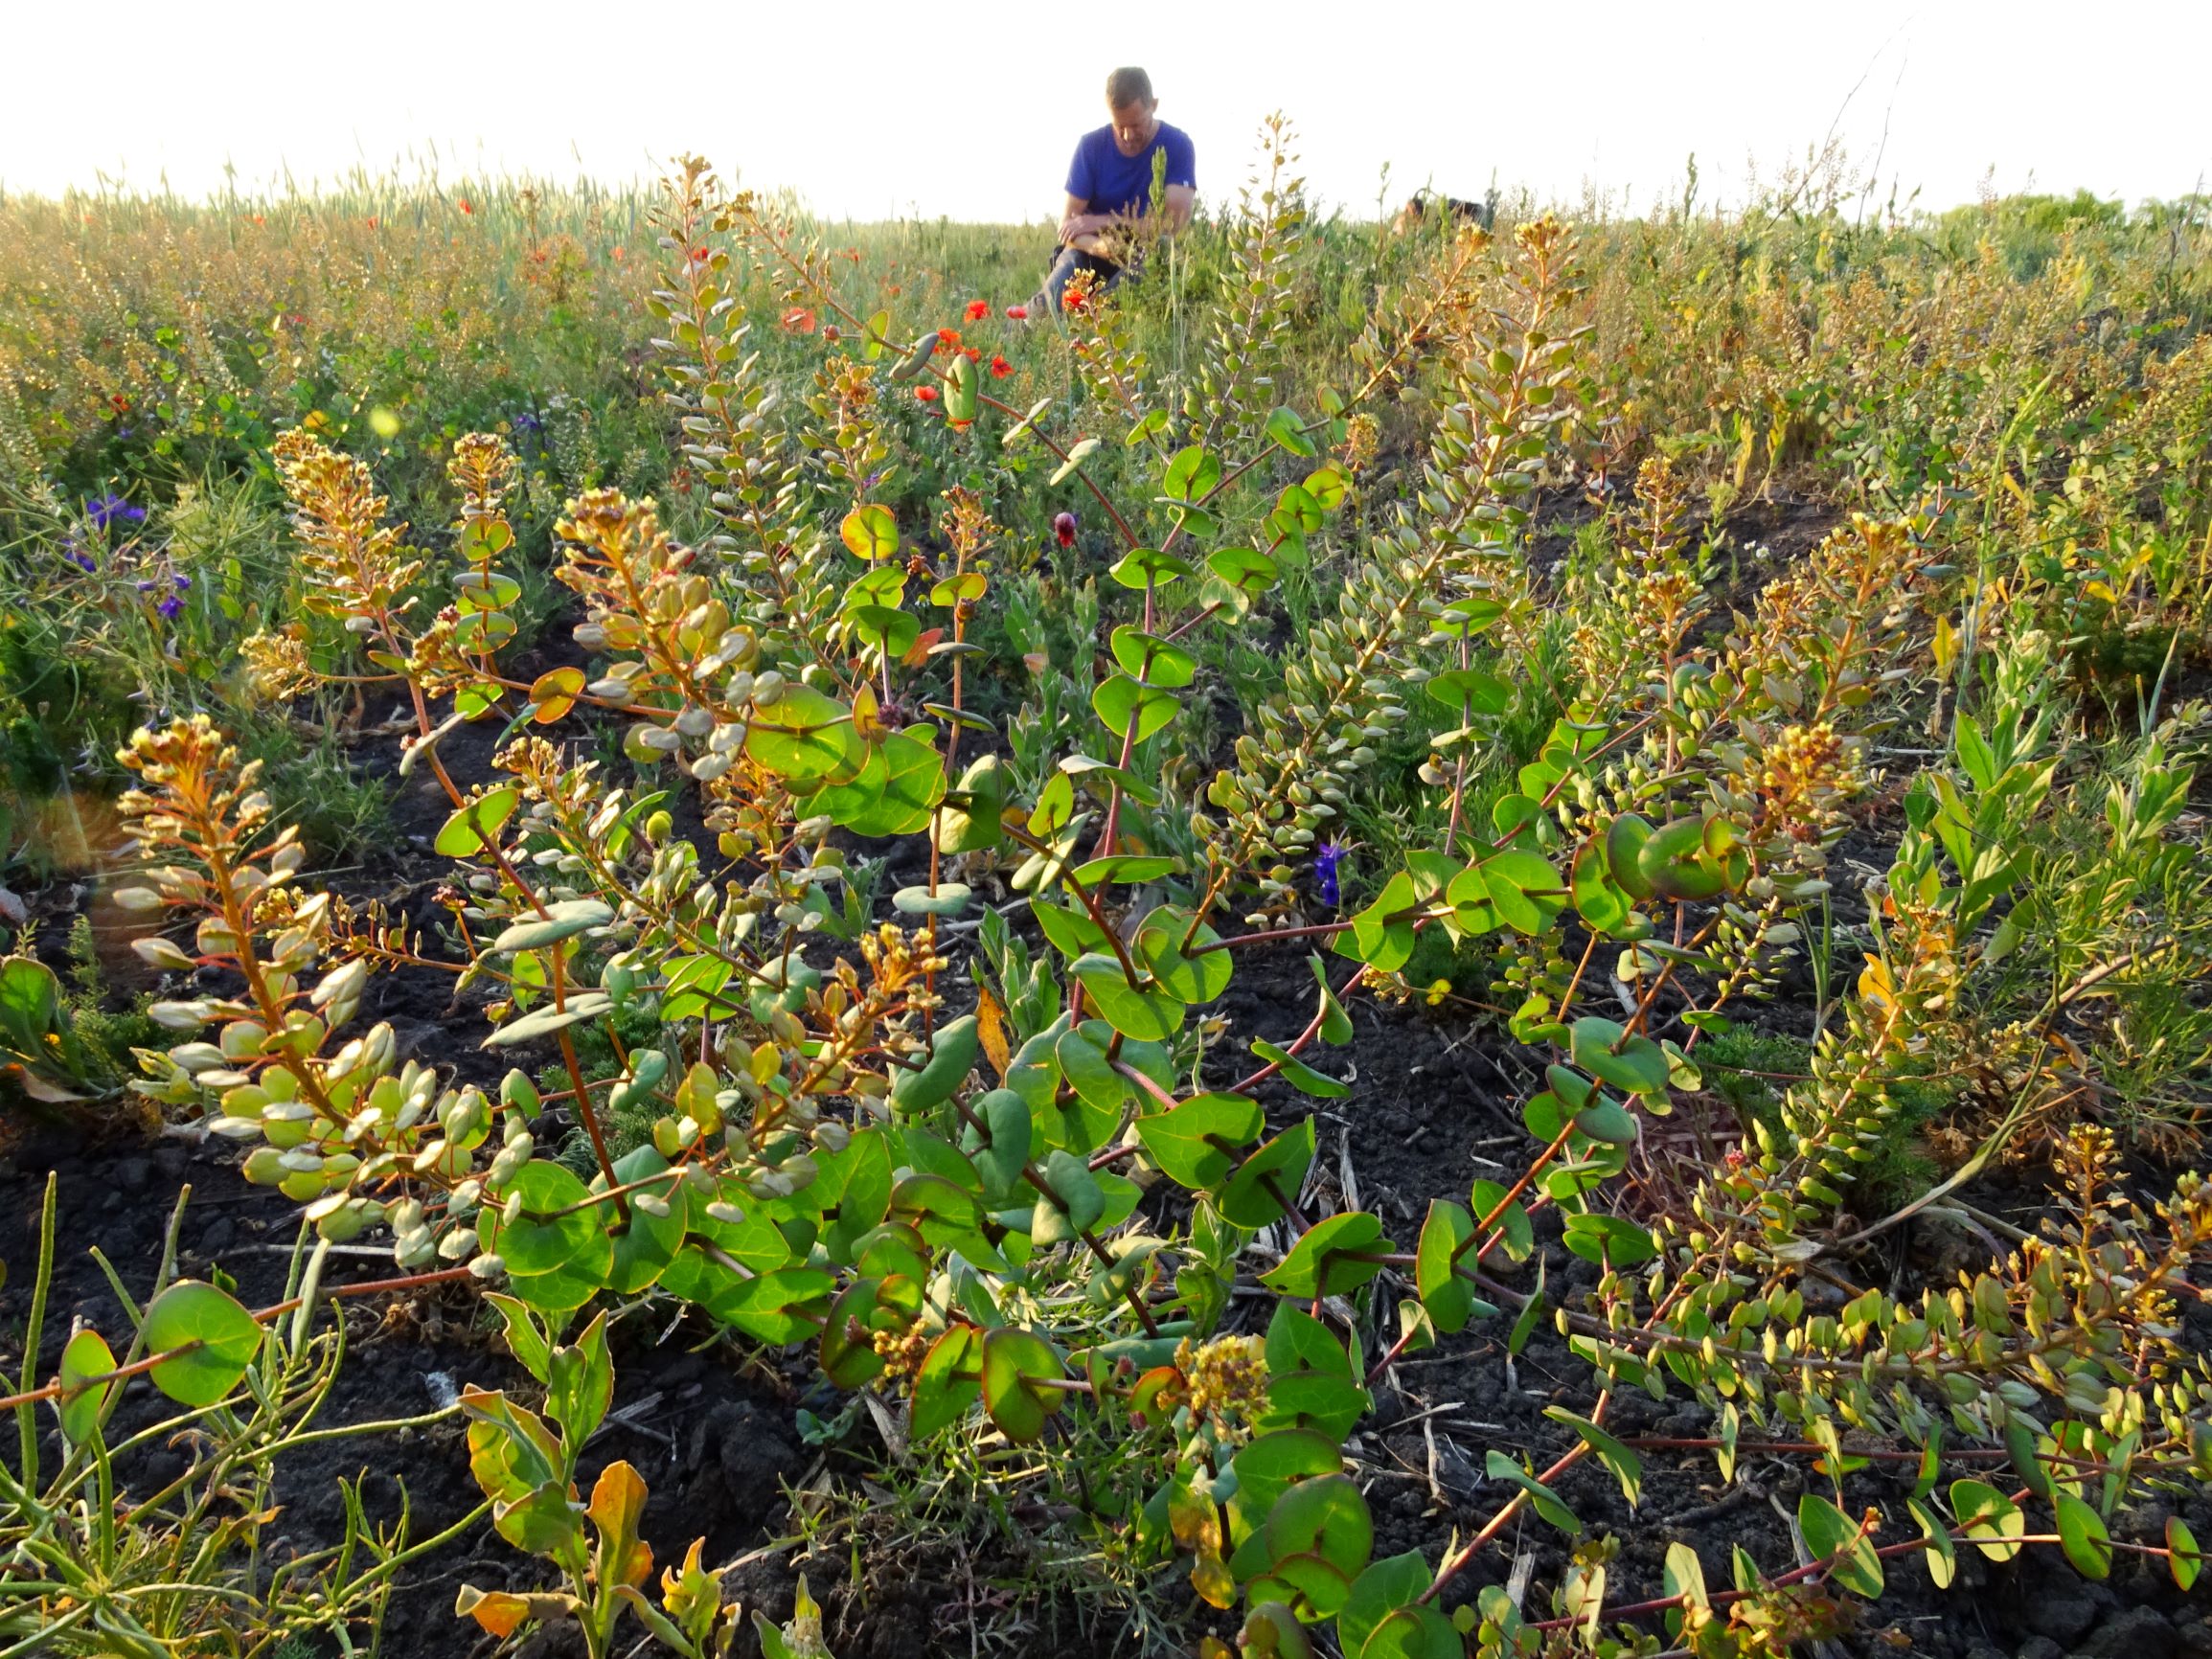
1071	261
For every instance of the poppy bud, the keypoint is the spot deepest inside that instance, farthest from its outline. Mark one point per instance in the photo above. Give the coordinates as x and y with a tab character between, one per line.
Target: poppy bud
1063	528
1020	313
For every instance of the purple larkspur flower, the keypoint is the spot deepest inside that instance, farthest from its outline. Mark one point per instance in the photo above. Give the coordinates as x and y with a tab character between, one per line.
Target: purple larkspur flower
1326	857
170	606
182	580
146	587
526	421
108	510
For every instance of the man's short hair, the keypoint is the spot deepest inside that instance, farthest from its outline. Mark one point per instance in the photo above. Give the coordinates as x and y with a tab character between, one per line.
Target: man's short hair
1128	86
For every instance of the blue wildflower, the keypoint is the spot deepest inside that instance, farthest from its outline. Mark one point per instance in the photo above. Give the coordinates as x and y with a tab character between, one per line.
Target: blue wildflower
526	421
1326	857
182	580
170	606
108	510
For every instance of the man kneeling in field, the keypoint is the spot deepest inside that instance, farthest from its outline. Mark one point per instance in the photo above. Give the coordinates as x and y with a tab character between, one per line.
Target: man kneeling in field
1109	186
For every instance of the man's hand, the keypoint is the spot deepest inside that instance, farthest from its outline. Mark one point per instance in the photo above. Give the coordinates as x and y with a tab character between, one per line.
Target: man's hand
1085	224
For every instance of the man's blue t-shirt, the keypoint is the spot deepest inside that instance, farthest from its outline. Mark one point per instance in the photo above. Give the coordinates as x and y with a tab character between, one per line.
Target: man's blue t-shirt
1113	183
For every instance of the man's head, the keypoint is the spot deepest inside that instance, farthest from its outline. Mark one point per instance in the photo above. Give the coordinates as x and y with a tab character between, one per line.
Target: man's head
1130	102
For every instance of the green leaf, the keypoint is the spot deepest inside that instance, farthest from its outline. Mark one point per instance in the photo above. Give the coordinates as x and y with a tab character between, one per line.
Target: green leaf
1941	1558
1153	660
1191	979
1599	899
1993	1523
219	1337
1328	486
1279	1167
542	1239
1146	567
471	829
582	1006
1612	1241
1014	1362
2081	1534
1328	1258
1323	1516
1298	507
882	632
1635	1063
563	918
1128	868
1416	1631
1195	1144
1192	473
1148	1015
581	1385
1525	889
86	1356
869	532
1072	1203
2183	1559
645	1248
1683	1575
1450	1300
803	734
1243	569
1501	1467
778	1308
900	784
1288	433
1076	457
1375	939
949	1382
1119	700
1336	1023
1298	1074
1393	1583
1466	692
949	899
1830	1533
1023	427
1625	1466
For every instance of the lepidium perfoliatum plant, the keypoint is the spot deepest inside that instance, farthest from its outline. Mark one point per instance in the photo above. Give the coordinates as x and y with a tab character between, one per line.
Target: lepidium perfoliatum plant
921	1144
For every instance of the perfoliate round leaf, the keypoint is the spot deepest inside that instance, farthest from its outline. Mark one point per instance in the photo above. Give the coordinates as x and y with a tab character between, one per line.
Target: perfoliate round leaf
217	1336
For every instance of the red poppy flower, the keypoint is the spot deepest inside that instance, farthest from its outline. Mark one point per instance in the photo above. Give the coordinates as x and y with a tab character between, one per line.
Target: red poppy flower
1000	368
698	256
798	320
258	219
464	207
121	402
948	336
372	223
1020	313
973	353
928	393
978	309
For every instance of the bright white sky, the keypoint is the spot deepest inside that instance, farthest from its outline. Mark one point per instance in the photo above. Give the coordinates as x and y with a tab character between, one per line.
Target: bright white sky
873	111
